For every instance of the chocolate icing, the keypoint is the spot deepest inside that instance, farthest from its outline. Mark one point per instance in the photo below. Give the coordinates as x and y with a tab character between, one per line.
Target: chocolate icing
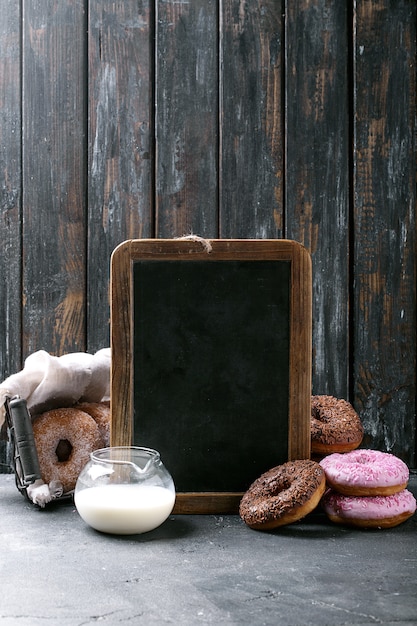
334	421
280	491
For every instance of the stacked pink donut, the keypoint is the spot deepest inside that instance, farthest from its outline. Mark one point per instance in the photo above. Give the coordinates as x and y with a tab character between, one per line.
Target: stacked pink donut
367	488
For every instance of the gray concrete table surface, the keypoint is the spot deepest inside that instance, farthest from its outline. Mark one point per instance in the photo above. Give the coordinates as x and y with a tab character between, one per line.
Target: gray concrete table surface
201	569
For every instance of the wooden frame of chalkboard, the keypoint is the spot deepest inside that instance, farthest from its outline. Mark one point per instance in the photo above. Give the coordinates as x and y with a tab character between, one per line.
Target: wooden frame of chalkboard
211	360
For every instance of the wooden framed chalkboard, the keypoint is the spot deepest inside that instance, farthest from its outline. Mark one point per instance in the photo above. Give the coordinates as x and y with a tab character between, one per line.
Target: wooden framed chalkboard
211	360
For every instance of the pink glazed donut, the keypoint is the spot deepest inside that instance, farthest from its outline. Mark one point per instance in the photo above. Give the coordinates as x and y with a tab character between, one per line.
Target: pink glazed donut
365	473
369	511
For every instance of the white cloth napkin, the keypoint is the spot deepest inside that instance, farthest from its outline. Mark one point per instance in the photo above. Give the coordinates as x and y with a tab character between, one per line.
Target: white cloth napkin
47	382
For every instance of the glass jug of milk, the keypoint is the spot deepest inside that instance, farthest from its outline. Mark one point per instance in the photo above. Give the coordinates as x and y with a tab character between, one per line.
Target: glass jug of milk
124	490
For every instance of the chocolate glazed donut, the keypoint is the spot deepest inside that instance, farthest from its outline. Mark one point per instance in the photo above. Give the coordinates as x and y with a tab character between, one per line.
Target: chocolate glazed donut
335	426
283	495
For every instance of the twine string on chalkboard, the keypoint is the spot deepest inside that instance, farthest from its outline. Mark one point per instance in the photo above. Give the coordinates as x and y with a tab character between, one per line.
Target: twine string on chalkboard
204	242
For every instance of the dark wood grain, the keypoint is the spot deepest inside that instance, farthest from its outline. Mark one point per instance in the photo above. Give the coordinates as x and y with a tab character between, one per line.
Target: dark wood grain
251	184
207	503
10	189
317	174
186	122
54	259
384	218
267	119
10	201
120	160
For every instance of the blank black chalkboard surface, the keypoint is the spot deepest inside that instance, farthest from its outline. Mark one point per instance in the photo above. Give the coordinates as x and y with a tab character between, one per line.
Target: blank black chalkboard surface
211	360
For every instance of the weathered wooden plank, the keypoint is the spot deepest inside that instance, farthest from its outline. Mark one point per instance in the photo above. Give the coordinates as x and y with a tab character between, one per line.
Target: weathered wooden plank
186	123
53	176
121	151
10	195
213	83
385	243
251	118
10	202
317	174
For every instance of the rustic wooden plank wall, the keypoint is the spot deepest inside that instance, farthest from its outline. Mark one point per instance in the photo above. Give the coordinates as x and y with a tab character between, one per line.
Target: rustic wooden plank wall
53	205
384	178
263	118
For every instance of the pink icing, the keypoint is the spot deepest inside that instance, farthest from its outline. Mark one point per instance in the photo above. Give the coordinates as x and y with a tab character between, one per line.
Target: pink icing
368	507
365	468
